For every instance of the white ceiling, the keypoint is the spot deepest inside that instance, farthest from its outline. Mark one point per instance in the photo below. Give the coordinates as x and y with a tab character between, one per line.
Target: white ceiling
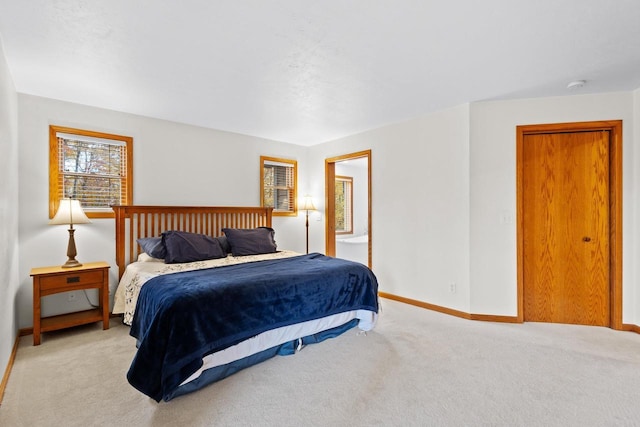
306	72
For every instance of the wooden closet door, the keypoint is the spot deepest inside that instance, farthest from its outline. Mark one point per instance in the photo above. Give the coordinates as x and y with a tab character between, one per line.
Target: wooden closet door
566	257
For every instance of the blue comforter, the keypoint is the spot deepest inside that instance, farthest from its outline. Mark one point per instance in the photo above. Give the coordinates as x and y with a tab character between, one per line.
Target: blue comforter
182	317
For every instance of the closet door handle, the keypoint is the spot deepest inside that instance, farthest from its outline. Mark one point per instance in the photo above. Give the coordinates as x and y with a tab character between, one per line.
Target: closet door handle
586	239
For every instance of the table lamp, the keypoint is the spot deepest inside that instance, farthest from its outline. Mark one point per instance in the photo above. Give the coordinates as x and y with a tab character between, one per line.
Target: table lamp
70	212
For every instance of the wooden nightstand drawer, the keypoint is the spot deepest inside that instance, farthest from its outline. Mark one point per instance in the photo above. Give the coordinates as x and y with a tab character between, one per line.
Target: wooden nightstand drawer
72	280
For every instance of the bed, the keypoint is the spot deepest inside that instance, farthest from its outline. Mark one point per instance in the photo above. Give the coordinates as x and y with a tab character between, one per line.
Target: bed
197	321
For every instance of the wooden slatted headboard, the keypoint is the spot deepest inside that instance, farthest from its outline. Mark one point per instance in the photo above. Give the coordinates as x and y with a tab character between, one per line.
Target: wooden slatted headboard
134	222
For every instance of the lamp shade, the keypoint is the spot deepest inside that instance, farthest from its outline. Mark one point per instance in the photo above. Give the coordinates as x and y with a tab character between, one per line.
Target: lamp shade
307	204
69	212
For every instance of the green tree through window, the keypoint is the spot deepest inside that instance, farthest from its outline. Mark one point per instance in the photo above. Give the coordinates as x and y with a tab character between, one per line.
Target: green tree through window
344	204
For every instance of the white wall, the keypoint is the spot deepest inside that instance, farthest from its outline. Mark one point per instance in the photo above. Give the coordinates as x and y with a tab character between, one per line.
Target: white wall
8	211
420	197
493	190
443	192
634	184
444	198
174	164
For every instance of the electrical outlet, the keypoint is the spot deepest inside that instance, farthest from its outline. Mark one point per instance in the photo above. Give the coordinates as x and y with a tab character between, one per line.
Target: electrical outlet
452	287
71	296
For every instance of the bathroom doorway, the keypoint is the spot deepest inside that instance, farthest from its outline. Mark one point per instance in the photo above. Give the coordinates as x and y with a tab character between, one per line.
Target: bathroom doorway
348	207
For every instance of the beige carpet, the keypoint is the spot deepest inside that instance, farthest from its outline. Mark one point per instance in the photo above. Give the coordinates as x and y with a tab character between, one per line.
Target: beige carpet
417	368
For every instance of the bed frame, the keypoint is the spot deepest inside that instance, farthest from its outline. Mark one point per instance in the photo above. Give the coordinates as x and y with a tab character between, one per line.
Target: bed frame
134	222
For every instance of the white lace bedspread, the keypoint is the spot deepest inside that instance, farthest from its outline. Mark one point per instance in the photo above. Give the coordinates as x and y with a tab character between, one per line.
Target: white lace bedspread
138	273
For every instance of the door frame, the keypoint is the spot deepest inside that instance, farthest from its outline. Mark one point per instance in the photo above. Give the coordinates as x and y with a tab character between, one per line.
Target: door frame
615	206
330	213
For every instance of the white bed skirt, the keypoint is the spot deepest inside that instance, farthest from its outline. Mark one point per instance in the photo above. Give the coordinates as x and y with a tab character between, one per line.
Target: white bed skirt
282	335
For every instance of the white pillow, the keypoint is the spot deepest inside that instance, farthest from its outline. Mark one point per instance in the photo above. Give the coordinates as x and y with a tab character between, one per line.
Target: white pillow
144	257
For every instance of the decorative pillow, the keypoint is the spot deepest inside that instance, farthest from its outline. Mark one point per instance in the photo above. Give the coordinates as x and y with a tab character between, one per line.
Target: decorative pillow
224	243
188	247
251	241
153	246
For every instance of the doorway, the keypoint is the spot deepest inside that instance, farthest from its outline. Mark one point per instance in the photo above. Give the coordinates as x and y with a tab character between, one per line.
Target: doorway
569	190
349	188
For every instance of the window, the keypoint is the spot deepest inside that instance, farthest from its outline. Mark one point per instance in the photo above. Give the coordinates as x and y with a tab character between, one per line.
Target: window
278	185
344	204
93	167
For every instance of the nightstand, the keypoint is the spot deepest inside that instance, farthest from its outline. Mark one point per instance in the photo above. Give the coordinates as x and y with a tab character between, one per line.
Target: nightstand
53	280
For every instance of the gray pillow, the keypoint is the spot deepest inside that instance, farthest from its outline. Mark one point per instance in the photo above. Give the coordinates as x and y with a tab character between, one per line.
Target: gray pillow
153	246
224	243
182	246
251	241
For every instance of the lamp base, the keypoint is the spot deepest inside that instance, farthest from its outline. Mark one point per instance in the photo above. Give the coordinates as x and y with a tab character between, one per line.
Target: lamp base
71	263
71	251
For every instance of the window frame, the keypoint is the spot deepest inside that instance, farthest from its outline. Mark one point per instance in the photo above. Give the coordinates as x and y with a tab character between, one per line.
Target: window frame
54	172
294	165
348	182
